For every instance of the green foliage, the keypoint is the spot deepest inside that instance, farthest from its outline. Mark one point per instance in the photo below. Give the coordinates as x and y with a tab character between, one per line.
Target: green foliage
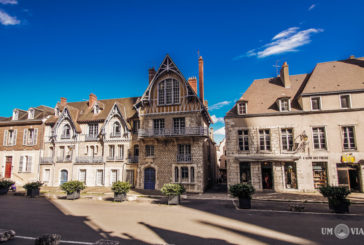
121	187
242	190
72	186
335	192
33	185
5	184
172	189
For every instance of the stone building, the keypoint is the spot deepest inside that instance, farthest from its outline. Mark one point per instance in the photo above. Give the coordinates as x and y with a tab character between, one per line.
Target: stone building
174	144
20	150
221	162
300	132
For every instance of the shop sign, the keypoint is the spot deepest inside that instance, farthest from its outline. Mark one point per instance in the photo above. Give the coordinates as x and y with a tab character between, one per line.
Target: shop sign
347	158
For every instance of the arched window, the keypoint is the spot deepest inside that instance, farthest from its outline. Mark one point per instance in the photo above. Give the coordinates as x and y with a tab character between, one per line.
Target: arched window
116	129
168	92
176	174
66	134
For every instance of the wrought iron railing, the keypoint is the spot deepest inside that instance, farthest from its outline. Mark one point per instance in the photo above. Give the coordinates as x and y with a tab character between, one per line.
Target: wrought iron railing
65	136
89	159
114	158
46	160
170	132
90	137
184	158
133	159
67	158
115	135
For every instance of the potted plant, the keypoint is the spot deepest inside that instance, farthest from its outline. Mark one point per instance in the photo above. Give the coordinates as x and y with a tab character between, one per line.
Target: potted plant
5	185
336	196
33	188
244	192
120	190
73	188
173	191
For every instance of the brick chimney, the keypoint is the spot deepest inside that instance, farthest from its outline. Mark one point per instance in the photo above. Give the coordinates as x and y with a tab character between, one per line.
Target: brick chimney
193	83
92	99
285	75
63	101
200	78
151	74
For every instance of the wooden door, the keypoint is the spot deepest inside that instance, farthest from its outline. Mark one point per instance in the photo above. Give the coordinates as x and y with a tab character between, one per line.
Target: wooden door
8	167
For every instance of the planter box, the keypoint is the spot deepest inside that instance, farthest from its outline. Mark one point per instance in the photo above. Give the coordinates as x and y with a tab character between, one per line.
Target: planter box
33	193
244	203
119	197
73	196
4	191
339	206
174	200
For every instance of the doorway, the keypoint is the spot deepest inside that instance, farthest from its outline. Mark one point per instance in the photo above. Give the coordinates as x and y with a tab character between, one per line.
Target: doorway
64	176
267	175
8	166
149	179
348	175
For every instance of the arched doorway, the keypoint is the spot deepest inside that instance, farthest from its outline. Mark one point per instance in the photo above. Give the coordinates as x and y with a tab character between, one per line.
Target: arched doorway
64	176
149	178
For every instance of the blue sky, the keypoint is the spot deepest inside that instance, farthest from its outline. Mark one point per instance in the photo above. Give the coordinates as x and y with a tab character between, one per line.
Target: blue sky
70	48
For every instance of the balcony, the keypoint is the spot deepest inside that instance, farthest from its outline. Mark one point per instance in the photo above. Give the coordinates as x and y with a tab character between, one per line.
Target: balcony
90	137
115	135
65	136
172	132
133	159
46	160
114	158
184	158
90	159
67	158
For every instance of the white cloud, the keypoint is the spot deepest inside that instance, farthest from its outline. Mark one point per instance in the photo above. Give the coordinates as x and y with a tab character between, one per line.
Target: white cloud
8	1
6	19
219	105
220	131
217	119
311	7
285	41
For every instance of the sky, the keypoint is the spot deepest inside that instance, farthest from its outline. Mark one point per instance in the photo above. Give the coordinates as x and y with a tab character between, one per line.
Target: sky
71	48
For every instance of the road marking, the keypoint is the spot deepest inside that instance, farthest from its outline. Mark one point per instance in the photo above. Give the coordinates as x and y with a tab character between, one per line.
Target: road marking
283	211
62	241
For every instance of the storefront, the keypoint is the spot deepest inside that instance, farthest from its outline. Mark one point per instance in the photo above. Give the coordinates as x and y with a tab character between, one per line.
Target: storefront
348	175
290	175
245	176
267	175
319	174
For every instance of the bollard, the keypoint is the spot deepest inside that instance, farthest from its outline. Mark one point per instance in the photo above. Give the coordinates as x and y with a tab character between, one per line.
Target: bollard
6	235
48	239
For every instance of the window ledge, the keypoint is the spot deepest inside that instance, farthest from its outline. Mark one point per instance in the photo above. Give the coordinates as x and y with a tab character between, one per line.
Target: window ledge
350	150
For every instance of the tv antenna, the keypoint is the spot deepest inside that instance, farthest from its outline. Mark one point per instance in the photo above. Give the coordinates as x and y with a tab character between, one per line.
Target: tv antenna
276	66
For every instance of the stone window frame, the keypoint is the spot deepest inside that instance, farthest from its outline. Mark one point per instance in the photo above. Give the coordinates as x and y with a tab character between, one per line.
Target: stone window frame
44	174
168	92
79	175
265	136
348	96
242	107
191	169
325	148
287	138
319	103
244	138
149	151
344	134
281	103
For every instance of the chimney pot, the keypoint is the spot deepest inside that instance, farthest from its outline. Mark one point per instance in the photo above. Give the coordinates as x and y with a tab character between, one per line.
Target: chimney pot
92	100
63	101
151	74
200	77
285	75
193	83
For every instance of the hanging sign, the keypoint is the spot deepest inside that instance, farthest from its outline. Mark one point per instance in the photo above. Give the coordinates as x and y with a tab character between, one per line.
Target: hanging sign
347	158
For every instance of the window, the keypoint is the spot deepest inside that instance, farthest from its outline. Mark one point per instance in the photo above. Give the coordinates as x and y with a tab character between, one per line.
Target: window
136	150
242	108
96	109
25	164
136	126
149	150
31	114
184	174
264	139
93	129
184	149
348	138
158	126
15	115
111	151
99	177
176	177
345	101
192	174
290	175
116	129
168	92
66	132
245	172
287	139
82	176
319	174
46	175
30	136
243	136
316	103
121	151
179	125
284	105
114	176
319	140
10	137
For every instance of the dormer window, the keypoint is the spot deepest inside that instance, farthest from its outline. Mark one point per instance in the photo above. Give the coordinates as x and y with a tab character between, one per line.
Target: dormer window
168	92
15	115
66	133
31	114
242	108
56	111
345	101
316	103
116	129
284	104
96	109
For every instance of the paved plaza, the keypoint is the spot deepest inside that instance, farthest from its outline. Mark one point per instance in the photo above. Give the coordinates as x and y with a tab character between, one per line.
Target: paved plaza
151	221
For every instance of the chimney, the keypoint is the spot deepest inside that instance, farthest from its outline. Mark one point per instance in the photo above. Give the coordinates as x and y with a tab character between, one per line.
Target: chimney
192	81
200	78
285	75
63	101
352	57
92	100
151	74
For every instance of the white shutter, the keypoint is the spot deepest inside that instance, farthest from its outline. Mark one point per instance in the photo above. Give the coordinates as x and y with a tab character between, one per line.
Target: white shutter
82	176
46	175
21	164
25	136
29	164
35	136
14	136
5	136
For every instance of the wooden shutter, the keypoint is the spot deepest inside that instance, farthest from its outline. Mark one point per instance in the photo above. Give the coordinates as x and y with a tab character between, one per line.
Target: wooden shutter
5	136
35	136
21	164
15	134
25	136
29	164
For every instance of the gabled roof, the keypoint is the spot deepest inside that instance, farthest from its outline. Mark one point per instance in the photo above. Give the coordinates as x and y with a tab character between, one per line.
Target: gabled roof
40	112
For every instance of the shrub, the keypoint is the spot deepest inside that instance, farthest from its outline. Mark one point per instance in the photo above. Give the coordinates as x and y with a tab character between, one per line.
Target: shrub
121	187
172	189
72	186
242	190
33	185
335	192
5	184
